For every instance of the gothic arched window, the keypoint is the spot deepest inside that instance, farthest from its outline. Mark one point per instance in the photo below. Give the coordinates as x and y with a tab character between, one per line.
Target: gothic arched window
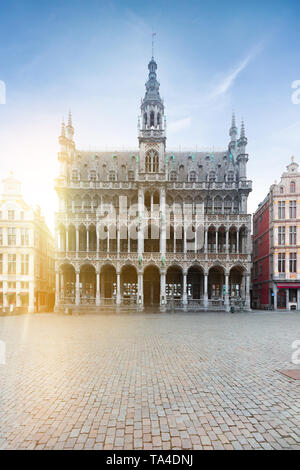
152	118
145	119
151	162
158	119
292	187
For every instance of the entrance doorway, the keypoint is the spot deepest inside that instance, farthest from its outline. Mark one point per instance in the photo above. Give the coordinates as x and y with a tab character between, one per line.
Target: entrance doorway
151	286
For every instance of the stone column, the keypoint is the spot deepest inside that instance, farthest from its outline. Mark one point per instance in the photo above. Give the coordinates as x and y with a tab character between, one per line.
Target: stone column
140	221
205	240
226	303
97	240
227	241
57	292
67	240
62	283
77	289
205	290
77	239
184	240
118	239
118	288
87	240
298	299
107	235
163	290
237	241
184	292
217	240
98	288
140	299
163	235
287	299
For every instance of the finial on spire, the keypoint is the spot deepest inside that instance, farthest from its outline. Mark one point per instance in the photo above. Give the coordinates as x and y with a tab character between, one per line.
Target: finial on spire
153	36
70	119
243	129
292	158
233	120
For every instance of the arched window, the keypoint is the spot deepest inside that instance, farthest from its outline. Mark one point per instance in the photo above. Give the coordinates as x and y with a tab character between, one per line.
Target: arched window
218	205
130	175
281	189
173	176
152	118
292	187
192	176
151	162
145	119
158	119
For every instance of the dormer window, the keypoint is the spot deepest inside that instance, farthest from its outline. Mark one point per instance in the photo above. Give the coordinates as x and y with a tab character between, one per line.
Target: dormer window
75	175
173	176
112	176
292	187
230	177
212	177
92	175
130	175
281	189
193	176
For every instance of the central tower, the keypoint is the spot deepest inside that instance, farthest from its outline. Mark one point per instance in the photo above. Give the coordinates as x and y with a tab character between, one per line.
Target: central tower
152	126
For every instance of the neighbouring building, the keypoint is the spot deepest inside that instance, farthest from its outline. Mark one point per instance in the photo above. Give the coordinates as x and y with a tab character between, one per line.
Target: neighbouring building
27	277
152	226
276	240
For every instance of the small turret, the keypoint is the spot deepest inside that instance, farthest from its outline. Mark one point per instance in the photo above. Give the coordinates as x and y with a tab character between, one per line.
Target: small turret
70	129
242	157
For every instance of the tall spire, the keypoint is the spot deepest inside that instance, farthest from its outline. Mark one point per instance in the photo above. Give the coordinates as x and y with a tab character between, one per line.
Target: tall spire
233	132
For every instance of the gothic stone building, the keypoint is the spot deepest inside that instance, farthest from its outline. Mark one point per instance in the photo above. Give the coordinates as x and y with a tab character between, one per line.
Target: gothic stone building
27	276
153	227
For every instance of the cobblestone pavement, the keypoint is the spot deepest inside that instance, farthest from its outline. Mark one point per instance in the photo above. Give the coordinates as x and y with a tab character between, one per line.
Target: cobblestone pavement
149	381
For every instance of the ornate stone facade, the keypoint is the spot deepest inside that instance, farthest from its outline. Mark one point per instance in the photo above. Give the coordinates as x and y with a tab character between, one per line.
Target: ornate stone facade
150	226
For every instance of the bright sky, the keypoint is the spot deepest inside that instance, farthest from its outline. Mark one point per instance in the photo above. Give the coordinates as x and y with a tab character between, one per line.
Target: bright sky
91	57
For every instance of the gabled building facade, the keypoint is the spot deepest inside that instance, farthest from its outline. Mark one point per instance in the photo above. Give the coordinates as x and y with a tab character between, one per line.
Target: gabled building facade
27	277
151	226
276	273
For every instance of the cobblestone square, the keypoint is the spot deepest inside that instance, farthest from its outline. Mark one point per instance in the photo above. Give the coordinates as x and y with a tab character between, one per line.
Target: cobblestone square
149	381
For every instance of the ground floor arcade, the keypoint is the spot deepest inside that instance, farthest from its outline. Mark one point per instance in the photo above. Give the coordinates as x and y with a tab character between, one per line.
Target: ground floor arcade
176	287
